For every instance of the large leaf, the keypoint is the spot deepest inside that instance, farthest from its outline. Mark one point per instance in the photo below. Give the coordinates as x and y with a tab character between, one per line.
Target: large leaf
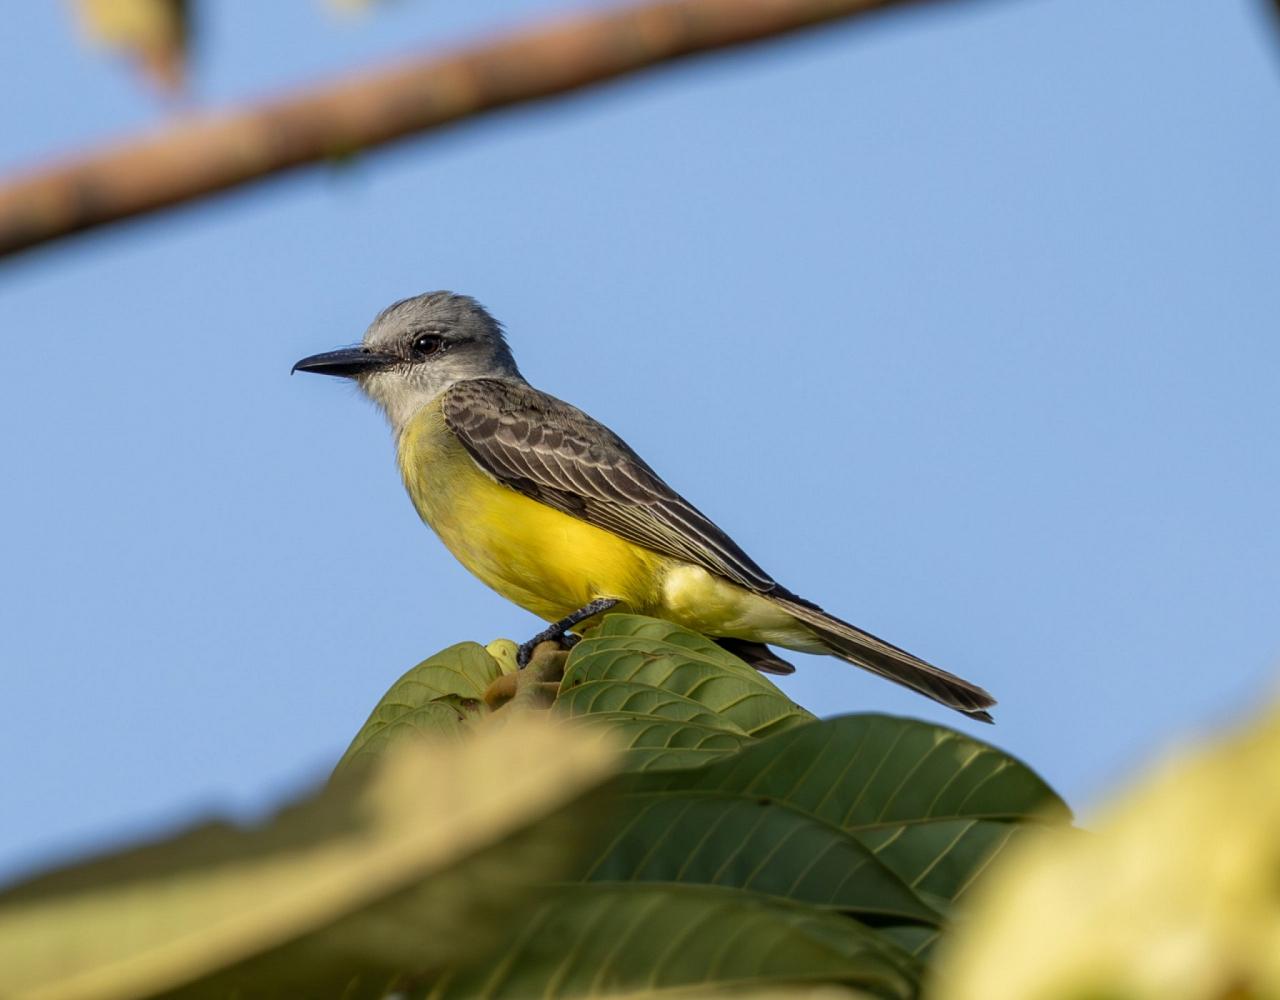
435	697
597	940
932	803
745	842
872	771
653	743
659	654
402	868
941	859
595	697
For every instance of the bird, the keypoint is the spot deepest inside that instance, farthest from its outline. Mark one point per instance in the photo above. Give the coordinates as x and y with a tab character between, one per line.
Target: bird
559	515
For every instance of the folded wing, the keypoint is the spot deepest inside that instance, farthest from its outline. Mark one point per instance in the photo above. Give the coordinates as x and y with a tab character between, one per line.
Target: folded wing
554	453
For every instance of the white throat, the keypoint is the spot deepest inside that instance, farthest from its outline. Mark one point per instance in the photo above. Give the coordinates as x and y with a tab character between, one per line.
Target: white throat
401	398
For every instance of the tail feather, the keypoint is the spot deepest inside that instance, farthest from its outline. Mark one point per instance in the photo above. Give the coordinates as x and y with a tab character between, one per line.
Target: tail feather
888	661
757	654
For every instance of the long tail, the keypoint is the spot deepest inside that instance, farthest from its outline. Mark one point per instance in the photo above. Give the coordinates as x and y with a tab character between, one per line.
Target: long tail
865	650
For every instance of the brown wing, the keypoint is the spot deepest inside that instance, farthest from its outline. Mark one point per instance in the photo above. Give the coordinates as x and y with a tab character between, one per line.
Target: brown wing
554	453
557	455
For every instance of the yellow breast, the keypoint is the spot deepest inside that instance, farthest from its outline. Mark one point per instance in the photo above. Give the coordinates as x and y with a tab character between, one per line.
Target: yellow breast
547	562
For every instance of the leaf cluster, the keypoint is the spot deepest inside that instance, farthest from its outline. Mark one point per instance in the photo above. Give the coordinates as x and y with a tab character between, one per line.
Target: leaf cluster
672	824
749	845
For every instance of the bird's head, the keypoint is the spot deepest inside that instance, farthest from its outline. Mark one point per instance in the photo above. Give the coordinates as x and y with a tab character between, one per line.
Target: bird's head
417	348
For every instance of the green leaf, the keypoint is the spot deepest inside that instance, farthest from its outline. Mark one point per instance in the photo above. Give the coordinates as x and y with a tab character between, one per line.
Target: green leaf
653	743
596	940
864	771
402	868
916	940
932	803
941	858
628	697
436	717
662	655
747	842
435	697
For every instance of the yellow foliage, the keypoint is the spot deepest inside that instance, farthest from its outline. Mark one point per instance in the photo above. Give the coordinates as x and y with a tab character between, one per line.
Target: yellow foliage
1176	896
504	652
448	839
154	33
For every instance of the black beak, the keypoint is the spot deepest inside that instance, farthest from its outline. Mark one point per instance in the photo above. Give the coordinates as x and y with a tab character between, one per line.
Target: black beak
346	363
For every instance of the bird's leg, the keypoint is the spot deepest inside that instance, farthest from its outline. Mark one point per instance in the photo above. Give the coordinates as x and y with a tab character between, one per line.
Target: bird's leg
557	630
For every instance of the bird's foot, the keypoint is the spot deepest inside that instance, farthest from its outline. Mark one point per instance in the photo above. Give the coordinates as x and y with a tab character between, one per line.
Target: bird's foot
558	631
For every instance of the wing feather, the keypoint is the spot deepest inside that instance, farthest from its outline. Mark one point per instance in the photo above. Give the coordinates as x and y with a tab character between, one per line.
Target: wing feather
554	453
557	455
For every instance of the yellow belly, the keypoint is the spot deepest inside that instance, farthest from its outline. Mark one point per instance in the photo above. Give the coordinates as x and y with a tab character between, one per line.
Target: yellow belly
547	562
553	564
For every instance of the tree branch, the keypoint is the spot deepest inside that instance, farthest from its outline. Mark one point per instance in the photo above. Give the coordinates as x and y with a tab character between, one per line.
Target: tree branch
197	157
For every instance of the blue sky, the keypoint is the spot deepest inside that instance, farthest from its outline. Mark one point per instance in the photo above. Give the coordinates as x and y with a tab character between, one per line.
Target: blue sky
962	322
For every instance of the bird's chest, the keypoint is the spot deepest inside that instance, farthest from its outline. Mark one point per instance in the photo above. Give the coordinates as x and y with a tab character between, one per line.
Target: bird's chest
446	487
542	559
472	513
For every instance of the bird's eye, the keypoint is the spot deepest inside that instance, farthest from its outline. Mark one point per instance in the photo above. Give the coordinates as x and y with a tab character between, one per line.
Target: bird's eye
427	344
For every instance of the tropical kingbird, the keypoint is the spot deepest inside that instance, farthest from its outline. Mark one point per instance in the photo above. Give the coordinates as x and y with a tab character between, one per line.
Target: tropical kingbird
556	513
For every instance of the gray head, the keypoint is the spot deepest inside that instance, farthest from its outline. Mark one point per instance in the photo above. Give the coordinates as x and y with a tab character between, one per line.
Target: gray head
417	348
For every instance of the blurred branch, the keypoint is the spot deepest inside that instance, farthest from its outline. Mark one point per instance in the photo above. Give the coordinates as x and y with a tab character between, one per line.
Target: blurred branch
197	157
1272	13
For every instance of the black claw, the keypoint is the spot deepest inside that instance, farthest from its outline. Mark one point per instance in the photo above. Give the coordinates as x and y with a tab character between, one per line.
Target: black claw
559	631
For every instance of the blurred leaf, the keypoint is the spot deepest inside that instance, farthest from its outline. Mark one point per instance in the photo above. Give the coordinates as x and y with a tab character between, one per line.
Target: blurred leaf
658	654
747	842
351	6
400	868
598	940
1174	896
792	991
435	697
917	940
156	34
